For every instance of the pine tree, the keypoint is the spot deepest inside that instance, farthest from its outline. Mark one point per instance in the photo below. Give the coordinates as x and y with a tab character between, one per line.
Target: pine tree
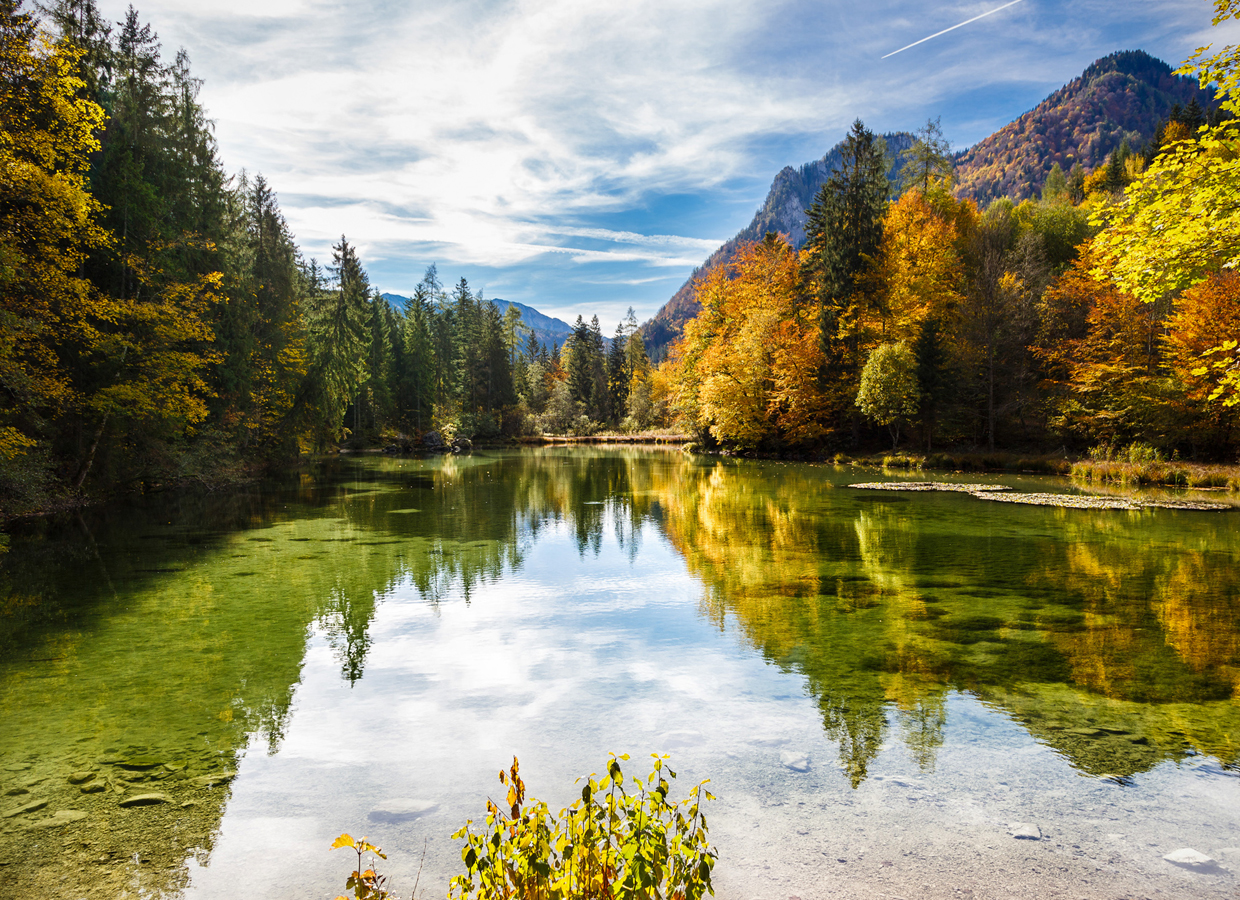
580	364
928	160
420	366
339	339
618	375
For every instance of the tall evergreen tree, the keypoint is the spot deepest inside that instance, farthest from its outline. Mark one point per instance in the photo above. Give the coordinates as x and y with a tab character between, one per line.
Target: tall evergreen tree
339	332
843	236
618	375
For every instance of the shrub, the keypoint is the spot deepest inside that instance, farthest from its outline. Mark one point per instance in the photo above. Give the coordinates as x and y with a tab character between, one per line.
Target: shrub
614	843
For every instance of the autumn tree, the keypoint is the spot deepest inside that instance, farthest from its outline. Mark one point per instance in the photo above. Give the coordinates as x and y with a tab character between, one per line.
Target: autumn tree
48	226
746	371
1179	222
1205	316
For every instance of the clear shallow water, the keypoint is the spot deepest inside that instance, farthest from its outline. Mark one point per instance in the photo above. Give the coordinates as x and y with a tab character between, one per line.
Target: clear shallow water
365	647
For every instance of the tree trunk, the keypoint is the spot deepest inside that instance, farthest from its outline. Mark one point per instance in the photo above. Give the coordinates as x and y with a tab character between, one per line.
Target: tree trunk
990	398
90	455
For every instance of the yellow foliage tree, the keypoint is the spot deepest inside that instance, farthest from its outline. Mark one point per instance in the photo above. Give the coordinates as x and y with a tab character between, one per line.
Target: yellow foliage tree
922	265
1179	222
47	224
1205	315
746	369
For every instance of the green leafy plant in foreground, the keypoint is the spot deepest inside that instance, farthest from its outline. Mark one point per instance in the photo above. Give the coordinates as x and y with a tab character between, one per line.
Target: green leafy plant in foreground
615	842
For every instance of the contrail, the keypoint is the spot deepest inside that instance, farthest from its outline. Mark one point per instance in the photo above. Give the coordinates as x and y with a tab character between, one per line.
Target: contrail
953	28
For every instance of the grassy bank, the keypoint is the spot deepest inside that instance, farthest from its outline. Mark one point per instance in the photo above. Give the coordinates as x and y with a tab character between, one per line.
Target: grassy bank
610	437
1157	472
1128	473
964	462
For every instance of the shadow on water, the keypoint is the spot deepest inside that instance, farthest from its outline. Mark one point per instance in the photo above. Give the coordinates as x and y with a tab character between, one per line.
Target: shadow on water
145	647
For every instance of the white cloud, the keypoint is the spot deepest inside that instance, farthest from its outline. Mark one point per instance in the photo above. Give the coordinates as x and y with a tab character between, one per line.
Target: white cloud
502	133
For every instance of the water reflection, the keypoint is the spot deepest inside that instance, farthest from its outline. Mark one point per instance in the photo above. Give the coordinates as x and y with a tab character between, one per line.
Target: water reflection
895	601
147	647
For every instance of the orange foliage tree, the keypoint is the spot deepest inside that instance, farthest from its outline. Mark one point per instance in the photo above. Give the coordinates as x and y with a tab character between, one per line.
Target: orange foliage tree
1205	316
747	368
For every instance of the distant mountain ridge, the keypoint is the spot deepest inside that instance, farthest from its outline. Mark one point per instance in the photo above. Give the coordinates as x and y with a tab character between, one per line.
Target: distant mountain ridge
547	330
1125	95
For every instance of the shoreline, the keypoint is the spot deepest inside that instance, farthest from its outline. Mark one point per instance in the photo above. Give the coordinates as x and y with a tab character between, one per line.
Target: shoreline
1086	471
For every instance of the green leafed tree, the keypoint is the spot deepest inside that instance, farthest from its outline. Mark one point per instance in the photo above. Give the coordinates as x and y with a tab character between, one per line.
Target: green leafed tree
889	393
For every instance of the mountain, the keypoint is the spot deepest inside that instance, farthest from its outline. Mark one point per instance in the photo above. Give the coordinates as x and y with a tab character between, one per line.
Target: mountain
549	331
1126	95
783	212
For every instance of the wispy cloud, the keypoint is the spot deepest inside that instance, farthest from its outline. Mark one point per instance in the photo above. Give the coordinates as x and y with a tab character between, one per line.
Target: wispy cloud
578	152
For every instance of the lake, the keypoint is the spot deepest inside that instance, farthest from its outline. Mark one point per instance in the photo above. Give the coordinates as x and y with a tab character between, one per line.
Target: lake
885	689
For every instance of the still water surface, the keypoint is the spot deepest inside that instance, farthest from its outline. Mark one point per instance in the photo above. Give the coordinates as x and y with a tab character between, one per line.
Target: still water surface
880	686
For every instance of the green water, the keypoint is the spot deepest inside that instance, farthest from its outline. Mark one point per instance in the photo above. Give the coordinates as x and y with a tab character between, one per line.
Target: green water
862	674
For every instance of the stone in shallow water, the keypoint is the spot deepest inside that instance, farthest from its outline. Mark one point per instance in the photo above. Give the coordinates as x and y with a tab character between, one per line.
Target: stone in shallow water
144	800
797	762
215	778
1026	831
32	806
404	810
81	777
94	787
673	740
1188	858
140	763
59	818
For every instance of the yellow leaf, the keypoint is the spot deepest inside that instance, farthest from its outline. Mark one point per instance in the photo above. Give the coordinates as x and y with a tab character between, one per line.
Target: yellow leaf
344	840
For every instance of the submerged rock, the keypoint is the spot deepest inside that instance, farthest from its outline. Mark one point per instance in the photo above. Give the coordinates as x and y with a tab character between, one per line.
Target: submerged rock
673	740
140	763
1002	494
144	800
797	762
402	810
1188	858
1026	831
81	777
58	819
215	778
29	807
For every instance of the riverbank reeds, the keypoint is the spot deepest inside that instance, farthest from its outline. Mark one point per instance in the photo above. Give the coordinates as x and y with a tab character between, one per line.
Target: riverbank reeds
1172	473
964	462
610	437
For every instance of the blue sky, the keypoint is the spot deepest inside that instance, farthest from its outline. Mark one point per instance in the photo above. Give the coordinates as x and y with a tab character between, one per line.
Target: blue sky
582	156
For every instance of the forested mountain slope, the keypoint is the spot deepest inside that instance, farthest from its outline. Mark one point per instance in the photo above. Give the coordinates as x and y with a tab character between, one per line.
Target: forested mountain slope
1124	96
